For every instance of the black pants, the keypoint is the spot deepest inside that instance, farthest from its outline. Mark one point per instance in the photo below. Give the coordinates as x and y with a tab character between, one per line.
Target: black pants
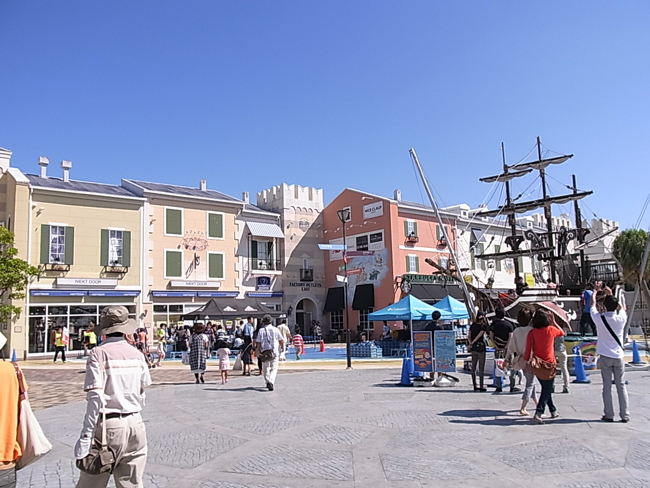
478	362
586	323
57	350
545	398
8	478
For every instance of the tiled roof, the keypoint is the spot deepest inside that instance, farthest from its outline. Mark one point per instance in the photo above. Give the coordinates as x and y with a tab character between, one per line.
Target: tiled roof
183	190
79	186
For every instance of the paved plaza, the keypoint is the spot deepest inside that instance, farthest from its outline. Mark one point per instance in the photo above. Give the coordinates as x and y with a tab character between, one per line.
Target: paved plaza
340	428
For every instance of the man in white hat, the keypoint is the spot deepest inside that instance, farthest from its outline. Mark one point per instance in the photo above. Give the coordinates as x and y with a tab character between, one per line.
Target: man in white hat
268	344
121	396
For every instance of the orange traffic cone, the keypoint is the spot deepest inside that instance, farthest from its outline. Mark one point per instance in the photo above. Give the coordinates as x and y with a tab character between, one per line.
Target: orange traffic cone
322	346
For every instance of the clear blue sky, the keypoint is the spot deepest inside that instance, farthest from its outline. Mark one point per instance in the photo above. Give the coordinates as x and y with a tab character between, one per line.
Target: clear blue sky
332	94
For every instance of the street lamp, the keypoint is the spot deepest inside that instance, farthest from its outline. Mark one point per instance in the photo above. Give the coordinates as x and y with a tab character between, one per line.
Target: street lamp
344	216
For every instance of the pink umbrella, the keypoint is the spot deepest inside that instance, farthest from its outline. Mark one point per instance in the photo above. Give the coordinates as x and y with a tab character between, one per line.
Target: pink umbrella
559	313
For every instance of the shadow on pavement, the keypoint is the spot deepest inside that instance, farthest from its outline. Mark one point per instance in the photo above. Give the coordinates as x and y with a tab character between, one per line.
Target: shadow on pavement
500	417
247	388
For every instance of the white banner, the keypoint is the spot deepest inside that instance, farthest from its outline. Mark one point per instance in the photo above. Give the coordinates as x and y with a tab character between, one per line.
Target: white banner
371	210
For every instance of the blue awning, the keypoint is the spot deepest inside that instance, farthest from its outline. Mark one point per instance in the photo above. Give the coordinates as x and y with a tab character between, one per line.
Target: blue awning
173	293
58	293
265	294
113	293
219	294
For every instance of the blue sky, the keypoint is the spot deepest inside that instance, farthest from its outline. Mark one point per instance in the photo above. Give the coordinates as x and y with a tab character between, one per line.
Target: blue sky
332	94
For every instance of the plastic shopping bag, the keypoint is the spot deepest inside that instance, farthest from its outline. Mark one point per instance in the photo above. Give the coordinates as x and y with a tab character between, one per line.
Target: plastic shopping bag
185	358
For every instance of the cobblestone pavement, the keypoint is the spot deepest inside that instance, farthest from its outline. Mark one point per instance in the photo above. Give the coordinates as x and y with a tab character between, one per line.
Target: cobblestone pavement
356	428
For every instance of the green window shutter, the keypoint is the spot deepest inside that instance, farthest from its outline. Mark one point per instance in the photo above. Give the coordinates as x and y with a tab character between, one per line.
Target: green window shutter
45	244
406	228
417	264
173	264
215	265
215	225
415	228
69	245
497	264
408	264
103	253
254	249
126	249
440	232
173	221
480	249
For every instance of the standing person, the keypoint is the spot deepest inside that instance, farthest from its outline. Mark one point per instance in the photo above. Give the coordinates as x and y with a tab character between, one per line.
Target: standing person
500	333
520	285
562	362
10	450
586	321
182	337
224	360
386	333
199	351
540	343
476	342
161	346
611	337
249	330
246	358
286	337
269	341
298	344
516	353
239	330
60	343
256	349
116	376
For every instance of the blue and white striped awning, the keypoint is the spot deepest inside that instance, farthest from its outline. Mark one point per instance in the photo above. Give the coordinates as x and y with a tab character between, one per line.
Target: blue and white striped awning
265	294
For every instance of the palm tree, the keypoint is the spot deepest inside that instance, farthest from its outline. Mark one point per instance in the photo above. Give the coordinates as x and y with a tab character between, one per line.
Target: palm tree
628	251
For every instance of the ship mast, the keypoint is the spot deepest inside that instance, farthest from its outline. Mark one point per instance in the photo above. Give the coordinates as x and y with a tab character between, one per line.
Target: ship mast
547	212
511	216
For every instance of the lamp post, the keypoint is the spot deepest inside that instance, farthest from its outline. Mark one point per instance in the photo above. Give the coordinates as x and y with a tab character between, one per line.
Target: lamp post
344	216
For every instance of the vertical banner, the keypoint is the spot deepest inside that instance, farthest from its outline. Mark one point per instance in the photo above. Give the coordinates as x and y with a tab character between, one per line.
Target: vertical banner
445	351
422	352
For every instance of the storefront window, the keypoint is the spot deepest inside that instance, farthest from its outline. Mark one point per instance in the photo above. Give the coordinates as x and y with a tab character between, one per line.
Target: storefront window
363	320
336	319
36	310
37	333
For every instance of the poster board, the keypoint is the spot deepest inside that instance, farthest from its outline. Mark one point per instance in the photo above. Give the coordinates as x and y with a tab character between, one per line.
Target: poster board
445	351
422	352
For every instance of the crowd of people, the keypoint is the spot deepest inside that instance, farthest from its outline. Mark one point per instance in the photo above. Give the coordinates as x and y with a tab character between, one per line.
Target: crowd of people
534	349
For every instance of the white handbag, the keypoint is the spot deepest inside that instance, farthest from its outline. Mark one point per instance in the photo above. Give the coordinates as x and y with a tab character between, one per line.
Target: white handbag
238	365
185	358
32	441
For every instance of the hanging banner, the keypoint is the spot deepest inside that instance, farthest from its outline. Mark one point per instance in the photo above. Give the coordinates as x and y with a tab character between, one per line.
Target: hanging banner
422	352
445	351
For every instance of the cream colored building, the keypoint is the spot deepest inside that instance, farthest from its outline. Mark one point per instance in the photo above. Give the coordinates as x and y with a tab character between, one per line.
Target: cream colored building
86	240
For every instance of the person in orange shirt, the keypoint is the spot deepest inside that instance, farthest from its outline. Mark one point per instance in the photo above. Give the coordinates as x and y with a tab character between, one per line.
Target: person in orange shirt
10	450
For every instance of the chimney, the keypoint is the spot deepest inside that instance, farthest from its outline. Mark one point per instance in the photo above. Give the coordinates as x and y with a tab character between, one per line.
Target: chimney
5	160
43	162
203	185
246	197
66	165
398	195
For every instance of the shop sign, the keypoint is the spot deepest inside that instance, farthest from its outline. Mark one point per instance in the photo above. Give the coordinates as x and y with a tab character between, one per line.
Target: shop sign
375	209
305	285
376	241
418	278
354	271
422	352
196	284
263	283
445	351
99	282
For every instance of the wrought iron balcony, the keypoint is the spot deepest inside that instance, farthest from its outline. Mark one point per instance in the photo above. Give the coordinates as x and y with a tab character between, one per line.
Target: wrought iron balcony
265	264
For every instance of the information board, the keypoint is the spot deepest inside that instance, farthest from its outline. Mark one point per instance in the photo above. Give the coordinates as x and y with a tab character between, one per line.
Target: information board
422	352
445	351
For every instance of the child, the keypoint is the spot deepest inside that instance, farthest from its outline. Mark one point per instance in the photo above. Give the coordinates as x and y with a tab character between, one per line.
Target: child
224	360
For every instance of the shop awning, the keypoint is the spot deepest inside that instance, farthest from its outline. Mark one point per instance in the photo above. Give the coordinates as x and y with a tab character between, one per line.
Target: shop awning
263	229
173	293
230	308
113	293
433	292
265	294
218	294
364	297
335	300
58	293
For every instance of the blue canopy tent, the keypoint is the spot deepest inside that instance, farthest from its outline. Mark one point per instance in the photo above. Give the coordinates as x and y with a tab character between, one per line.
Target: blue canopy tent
408	308
451	309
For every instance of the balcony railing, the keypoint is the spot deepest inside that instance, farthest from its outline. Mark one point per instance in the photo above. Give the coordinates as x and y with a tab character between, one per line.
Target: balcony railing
265	264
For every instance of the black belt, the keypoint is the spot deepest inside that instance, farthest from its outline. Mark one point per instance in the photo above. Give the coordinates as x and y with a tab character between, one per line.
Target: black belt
119	415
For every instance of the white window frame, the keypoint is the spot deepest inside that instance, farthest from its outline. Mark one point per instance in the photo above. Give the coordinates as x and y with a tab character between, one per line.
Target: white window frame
182	221
167	277
207	271
413	266
49	253
410	227
207	225
338	314
110	247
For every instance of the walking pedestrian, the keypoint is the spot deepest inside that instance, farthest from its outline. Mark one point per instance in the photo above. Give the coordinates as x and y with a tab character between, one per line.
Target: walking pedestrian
476	345
247	358
60	344
116	376
256	349
611	337
286	337
269	341
224	360
587	299
515	357
500	332
10	449
249	330
539	345
199	351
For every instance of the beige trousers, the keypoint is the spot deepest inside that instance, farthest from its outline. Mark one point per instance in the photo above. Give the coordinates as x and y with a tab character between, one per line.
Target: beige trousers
128	438
270	370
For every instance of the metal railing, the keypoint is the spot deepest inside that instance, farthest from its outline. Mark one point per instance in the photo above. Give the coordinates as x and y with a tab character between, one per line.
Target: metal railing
265	264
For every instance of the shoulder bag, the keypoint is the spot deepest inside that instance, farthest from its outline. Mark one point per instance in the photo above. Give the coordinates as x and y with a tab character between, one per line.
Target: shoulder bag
544	370
101	458
268	354
30	436
478	344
